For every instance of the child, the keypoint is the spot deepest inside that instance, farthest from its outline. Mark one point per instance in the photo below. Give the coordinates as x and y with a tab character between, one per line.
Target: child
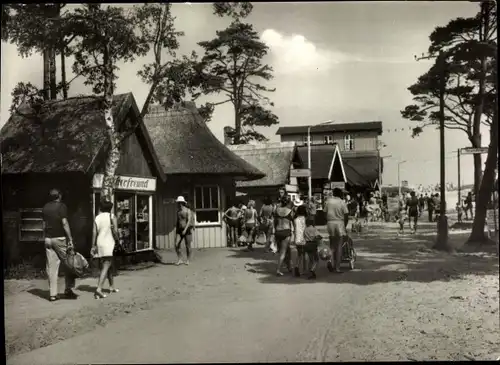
459	212
402	218
312	239
299	223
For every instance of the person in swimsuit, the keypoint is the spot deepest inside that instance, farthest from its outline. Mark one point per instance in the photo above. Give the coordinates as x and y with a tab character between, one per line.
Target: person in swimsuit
250	223
185	228
283	230
412	207
266	223
232	219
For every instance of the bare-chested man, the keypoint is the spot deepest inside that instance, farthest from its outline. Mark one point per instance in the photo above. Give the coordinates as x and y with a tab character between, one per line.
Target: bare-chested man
232	217
185	227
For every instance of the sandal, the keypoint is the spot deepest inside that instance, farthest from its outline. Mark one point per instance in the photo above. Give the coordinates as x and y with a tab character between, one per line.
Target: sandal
114	290
279	273
53	299
99	295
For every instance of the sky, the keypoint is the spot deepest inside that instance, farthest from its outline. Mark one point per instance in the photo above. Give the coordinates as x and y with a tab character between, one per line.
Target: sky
340	61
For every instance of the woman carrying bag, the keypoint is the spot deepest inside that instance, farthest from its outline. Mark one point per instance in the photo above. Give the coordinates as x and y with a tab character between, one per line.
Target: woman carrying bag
104	238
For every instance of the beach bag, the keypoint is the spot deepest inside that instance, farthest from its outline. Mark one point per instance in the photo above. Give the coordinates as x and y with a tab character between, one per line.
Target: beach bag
76	263
243	238
261	238
324	252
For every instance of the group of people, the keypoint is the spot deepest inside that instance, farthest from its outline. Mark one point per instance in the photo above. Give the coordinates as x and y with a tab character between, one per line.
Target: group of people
286	223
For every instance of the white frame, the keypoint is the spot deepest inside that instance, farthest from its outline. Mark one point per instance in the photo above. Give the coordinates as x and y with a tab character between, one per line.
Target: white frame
305	140
219	220
348	143
329	139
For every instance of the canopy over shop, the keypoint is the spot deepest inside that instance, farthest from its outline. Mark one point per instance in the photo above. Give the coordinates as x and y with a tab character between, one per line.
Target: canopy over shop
63	144
275	160
198	167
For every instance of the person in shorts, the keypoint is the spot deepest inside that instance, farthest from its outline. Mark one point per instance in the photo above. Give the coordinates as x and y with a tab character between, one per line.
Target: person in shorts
266	222
412	205
283	223
337	216
312	239
185	226
401	220
459	210
232	220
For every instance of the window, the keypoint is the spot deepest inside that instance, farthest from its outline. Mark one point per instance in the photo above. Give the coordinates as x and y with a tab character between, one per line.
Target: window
328	139
348	143
206	205
31	227
305	140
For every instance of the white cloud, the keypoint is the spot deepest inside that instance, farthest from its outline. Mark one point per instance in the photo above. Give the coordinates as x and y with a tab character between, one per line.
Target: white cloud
292	53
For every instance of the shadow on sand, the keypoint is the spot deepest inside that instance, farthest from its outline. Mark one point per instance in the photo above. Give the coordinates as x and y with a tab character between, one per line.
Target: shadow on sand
382	257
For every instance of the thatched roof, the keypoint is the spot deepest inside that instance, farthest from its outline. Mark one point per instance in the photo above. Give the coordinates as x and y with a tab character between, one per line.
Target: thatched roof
274	159
185	145
334	127
62	136
361	168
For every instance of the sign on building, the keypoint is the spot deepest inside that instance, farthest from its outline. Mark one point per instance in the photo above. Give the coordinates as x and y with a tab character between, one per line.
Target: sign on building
473	151
127	183
404	183
300	173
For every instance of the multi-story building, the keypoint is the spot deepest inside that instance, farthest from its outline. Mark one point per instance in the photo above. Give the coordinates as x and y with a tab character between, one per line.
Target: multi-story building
359	149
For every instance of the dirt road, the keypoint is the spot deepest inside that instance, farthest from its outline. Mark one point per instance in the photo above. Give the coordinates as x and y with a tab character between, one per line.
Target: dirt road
403	302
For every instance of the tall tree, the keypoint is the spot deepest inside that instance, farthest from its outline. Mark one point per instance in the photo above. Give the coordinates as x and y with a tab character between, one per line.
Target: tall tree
467	43
106	35
233	61
169	77
44	29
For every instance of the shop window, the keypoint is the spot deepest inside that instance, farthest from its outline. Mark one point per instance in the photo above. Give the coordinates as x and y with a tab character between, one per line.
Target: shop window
133	214
348	143
206	204
31	225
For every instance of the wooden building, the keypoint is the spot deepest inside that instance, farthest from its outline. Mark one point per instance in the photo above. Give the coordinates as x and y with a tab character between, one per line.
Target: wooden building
63	144
197	166
276	160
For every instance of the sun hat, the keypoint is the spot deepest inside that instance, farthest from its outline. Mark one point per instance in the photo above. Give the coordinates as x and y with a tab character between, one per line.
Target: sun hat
298	202
180	199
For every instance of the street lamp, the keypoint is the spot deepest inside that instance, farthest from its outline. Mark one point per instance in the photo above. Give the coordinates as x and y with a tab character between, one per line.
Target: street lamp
399	179
309	162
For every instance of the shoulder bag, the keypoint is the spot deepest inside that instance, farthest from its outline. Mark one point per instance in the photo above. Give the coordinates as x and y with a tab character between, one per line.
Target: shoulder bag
118	249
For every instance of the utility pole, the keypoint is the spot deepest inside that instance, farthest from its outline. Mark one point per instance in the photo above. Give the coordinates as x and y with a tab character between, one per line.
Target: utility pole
399	178
442	238
459	186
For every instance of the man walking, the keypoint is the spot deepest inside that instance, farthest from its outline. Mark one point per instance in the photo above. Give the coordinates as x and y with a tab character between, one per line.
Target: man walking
468	207
337	216
58	242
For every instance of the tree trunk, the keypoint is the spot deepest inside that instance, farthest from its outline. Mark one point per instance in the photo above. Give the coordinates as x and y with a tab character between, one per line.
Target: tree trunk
113	154
486	187
52	72
63	74
478	163
46	75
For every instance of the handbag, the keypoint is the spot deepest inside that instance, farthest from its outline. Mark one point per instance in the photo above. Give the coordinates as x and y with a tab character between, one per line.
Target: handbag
118	249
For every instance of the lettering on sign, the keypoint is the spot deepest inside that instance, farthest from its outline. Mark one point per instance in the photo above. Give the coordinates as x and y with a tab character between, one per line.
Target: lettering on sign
473	151
300	173
337	184
127	183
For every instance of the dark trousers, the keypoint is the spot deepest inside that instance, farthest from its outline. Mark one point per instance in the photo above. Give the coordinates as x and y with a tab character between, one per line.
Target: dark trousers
431	211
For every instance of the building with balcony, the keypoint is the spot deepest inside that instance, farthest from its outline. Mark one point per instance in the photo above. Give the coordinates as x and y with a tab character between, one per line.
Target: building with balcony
358	144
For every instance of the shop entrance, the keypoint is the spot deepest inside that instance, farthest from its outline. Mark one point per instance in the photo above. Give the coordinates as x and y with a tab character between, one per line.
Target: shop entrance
133	212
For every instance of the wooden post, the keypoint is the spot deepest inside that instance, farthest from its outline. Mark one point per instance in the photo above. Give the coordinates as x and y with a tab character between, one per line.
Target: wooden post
459	185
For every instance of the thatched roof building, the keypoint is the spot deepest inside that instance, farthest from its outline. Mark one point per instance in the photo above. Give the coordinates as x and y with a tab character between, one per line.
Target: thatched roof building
274	159
63	135
186	146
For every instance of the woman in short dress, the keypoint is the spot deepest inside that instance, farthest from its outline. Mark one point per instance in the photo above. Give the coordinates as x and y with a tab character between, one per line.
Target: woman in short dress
299	223
103	246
